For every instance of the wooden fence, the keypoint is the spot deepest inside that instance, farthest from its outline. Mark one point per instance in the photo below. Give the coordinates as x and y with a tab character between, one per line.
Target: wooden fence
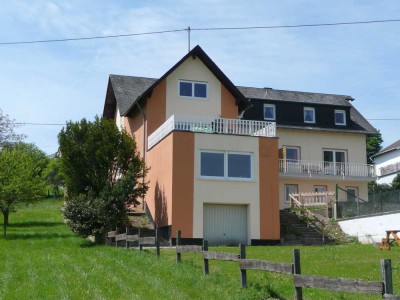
300	281
113	237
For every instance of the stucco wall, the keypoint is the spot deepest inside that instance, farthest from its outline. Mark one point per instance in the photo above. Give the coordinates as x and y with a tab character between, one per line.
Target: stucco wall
371	229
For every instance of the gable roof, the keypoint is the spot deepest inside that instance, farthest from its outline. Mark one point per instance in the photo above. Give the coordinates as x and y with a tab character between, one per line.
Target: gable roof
360	124
392	147
129	90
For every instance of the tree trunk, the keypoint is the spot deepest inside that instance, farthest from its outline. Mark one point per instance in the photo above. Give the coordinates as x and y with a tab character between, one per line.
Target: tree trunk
5	216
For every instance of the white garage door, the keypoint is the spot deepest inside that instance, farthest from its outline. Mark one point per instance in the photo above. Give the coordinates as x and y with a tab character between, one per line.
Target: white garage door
225	224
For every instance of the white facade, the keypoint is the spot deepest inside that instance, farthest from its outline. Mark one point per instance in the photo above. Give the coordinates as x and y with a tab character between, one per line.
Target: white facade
386	166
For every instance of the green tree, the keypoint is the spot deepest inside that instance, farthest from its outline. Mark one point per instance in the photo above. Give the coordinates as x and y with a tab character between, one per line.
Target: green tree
54	175
374	145
21	166
7	131
103	175
396	183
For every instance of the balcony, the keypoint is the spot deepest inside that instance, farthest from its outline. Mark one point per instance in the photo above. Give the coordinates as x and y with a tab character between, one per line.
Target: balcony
390	169
325	169
212	125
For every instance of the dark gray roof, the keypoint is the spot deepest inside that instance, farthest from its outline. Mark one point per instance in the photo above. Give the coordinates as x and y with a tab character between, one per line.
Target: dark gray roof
360	124
128	88
394	146
294	96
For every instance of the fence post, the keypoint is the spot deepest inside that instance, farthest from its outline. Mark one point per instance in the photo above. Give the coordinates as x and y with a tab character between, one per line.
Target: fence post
386	272
205	261
126	237
243	274
298	291
116	232
140	246
178	243
158	242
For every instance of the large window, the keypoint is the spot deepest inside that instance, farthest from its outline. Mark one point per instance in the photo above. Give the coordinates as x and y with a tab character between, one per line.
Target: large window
226	165
269	112
290	189
309	115
193	89
335	162
340	117
292	154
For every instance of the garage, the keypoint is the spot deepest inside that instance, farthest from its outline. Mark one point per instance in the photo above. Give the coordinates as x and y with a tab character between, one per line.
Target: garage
225	224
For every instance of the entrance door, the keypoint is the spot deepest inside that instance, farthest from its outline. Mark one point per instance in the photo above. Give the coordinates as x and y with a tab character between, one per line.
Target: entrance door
335	162
225	224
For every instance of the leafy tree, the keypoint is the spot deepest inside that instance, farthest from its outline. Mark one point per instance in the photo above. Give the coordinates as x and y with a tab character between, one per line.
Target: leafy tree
7	131
21	166
396	183
103	173
376	188
374	145
54	175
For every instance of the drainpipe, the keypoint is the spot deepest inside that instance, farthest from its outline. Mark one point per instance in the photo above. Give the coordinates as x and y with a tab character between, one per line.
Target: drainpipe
144	143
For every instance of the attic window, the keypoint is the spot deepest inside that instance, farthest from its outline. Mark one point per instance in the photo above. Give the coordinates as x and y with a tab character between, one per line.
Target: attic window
309	115
340	117
193	89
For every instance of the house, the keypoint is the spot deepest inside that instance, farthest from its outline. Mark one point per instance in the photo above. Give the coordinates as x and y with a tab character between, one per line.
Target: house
322	141
223	159
387	162
212	175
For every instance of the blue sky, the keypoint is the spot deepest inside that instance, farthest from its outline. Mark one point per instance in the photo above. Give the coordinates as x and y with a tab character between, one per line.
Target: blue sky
58	82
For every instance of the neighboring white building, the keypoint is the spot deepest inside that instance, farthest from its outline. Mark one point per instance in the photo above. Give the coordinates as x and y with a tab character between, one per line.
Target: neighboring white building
387	163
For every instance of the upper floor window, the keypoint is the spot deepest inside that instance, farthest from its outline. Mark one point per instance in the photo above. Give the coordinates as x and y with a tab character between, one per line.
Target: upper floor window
193	89
226	165
309	115
293	154
340	117
269	112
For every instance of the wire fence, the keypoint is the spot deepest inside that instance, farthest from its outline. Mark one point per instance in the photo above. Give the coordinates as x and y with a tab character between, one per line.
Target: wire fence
350	205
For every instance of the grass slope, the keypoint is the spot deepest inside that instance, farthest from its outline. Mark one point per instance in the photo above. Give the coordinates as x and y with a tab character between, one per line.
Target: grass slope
42	259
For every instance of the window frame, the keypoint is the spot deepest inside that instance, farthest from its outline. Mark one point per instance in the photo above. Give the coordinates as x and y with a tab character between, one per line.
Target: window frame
193	83
298	152
226	170
287	200
343	112
273	106
312	109
324	187
356	195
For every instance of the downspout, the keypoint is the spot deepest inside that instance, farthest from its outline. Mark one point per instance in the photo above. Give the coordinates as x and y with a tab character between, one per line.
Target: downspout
144	143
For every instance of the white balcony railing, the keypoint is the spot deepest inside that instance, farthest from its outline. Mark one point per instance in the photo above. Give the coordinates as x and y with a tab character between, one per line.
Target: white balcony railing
389	169
212	125
303	167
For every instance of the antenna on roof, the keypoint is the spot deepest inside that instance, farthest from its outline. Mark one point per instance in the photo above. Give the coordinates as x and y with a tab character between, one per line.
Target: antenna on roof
188	30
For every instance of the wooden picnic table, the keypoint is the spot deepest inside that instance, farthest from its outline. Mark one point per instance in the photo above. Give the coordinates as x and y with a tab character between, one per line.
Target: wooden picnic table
388	240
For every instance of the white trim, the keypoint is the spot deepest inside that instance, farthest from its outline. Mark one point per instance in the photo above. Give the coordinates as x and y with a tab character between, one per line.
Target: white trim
192	82
312	109
274	111
343	112
225	176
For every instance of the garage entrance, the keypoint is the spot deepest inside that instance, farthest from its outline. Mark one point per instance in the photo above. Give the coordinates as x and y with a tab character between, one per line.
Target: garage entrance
225	224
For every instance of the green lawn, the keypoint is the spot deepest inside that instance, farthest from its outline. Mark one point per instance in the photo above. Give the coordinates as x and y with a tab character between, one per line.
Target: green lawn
42	259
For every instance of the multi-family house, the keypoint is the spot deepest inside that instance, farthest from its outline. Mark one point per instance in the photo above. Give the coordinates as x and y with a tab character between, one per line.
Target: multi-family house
218	170
212	175
387	162
322	141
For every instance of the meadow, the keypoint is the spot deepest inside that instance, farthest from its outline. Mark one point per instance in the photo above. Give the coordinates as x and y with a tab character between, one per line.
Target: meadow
42	259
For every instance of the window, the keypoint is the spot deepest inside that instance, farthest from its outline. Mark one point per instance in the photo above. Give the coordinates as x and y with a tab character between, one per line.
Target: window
226	165
309	115
320	188
290	189
269	112
193	89
340	117
335	162
352	194
292	154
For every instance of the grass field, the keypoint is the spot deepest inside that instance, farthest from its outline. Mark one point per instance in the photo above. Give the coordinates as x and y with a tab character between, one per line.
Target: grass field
42	259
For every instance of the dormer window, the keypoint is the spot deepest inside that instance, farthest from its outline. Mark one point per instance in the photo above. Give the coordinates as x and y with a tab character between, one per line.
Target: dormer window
269	112
340	117
309	115
193	89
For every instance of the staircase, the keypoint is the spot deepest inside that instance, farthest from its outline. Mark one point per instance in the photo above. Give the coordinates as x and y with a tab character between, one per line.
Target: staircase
294	231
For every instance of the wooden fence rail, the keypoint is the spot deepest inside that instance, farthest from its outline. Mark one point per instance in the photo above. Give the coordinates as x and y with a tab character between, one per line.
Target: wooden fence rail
300	281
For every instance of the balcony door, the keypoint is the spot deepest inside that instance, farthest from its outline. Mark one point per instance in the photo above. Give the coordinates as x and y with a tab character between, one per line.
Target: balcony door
335	162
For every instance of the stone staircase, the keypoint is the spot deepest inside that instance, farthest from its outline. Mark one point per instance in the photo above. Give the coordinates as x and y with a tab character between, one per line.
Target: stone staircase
294	231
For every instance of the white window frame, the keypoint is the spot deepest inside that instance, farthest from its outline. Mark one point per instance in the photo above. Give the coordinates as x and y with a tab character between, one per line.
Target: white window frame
298	152
193	85
226	177
313	114
287	200
355	194
343	112
320	187
274	111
